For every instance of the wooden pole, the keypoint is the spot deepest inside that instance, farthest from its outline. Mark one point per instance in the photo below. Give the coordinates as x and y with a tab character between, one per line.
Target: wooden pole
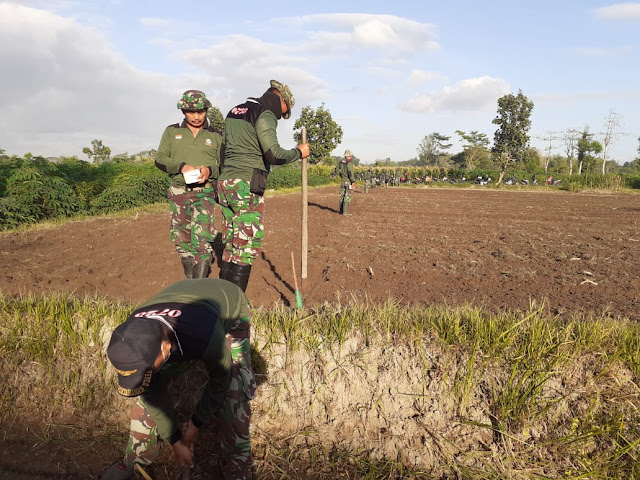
305	233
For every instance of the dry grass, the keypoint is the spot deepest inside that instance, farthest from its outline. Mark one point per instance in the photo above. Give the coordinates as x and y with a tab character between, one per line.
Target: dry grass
362	391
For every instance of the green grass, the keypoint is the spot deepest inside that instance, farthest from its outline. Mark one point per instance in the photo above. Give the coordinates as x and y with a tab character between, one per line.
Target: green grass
561	393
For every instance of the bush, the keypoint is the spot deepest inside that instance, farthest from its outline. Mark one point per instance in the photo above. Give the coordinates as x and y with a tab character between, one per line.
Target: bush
14	213
632	181
289	177
41	196
131	189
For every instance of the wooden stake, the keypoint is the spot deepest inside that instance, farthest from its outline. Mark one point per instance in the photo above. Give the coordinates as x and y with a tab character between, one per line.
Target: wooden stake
305	204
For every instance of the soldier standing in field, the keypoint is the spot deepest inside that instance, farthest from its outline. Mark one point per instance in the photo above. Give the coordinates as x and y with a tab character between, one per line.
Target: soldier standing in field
205	321
367	180
251	149
347	180
191	151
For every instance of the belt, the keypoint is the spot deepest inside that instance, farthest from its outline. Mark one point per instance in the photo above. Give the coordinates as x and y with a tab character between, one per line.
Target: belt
195	188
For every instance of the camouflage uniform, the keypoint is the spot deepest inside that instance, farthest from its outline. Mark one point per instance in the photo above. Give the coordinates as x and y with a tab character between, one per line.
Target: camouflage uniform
345	170
367	180
192	206
221	309
251	148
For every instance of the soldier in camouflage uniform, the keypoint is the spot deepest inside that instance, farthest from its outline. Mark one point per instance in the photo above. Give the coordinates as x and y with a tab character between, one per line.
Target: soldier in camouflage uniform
192	145
368	174
347	180
251	148
205	320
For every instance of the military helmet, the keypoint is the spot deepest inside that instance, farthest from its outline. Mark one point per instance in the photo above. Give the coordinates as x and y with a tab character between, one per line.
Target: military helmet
287	96
193	100
347	153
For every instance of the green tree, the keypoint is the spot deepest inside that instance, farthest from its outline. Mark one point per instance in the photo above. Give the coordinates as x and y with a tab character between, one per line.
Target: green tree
432	148
323	133
587	146
475	146
216	119
511	139
98	152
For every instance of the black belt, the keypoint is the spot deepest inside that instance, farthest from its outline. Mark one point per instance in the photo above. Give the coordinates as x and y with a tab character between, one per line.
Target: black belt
198	187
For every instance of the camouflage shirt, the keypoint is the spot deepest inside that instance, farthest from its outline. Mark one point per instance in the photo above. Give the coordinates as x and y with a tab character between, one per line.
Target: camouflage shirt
201	312
178	147
251	141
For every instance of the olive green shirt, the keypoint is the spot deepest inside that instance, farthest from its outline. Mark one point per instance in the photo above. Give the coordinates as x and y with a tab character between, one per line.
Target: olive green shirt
251	142
179	147
208	309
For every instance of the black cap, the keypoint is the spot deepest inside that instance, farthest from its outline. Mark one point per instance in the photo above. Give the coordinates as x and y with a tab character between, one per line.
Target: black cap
133	349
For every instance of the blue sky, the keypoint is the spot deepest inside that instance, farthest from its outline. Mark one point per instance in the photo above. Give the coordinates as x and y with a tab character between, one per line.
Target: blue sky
389	72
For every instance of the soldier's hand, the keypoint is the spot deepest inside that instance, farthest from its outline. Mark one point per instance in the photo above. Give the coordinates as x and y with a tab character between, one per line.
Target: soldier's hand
205	173
183	454
304	149
189	434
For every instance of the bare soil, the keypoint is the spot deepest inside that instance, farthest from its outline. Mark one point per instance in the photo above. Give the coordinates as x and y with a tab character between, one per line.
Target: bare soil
497	249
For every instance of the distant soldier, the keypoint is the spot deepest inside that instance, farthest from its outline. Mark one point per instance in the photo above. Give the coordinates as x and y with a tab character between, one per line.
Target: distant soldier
347	180
190	152
203	321
368	174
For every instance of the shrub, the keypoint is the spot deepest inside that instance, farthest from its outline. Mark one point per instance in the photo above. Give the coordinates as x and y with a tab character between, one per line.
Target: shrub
43	196
132	189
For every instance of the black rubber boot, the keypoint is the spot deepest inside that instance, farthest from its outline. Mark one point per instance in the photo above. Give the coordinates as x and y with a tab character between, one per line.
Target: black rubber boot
345	209
224	271
187	265
238	273
341	208
201	269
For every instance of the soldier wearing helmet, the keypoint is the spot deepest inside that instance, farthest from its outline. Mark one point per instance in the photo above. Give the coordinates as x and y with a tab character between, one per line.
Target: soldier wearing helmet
191	152
251	148
347	181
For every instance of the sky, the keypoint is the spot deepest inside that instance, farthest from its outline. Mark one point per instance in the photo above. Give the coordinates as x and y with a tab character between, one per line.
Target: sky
389	73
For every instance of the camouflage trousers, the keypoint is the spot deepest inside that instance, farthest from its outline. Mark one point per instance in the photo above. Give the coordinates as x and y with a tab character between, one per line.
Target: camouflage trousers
367	186
233	422
345	192
242	213
192	222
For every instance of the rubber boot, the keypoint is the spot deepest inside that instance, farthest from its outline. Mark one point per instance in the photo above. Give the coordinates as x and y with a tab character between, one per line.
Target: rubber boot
238	273
224	271
187	265
345	209
201	269
341	207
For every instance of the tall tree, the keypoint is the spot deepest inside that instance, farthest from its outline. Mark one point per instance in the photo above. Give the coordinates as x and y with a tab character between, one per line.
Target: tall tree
98	152
323	133
570	139
431	148
612	127
216	119
586	147
475	145
511	139
549	137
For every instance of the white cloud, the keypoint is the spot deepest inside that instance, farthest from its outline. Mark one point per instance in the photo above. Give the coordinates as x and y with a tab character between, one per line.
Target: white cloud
418	76
469	94
67	86
388	33
244	64
152	22
620	11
